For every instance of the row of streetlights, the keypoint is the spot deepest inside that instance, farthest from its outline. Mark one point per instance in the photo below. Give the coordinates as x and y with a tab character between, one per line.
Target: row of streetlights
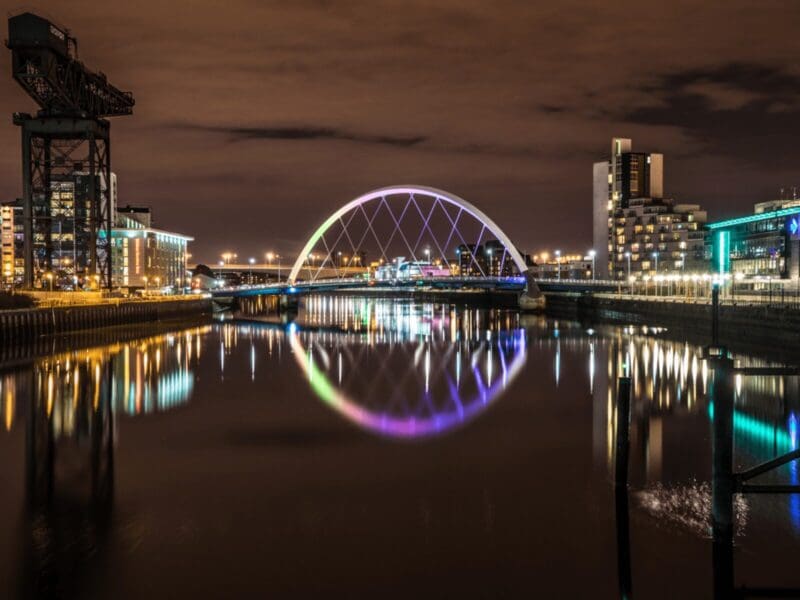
655	258
50	277
156	280
593	255
230	257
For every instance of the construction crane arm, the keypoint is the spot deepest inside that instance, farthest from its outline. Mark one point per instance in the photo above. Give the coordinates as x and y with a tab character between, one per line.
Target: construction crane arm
43	65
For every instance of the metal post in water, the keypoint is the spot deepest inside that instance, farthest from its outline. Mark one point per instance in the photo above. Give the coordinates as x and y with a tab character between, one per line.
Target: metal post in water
621	486
623	431
715	315
722	480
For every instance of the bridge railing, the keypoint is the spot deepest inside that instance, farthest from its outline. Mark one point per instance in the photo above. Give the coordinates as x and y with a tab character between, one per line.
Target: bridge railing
581	282
371	282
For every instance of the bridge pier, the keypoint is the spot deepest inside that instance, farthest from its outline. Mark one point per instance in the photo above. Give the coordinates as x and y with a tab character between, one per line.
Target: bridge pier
532	298
288	303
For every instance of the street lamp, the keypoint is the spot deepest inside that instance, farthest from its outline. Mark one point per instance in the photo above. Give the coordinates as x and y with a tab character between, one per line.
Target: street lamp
428	254
252	262
592	255
558	264
272	256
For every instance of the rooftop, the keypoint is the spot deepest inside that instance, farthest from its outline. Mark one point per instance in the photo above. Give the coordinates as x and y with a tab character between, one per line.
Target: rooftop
130	232
774	214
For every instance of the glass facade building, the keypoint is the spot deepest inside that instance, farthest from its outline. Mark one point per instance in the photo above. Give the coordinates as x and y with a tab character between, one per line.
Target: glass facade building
765	244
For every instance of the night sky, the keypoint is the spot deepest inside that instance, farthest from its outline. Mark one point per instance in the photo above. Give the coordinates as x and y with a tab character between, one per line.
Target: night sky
256	119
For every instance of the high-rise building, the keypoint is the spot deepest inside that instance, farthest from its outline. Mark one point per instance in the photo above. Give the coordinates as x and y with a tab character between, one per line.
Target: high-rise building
7	243
636	230
471	260
62	241
624	176
12	263
498	261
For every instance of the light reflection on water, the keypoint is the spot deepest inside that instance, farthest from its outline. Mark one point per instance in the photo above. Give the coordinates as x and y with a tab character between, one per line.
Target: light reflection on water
408	371
405	370
150	374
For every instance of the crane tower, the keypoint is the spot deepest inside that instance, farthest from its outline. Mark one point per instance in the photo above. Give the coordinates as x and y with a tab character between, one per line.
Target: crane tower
66	154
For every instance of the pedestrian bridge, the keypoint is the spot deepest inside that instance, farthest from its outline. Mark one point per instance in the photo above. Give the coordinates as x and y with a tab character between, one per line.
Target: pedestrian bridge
511	284
405	238
454	283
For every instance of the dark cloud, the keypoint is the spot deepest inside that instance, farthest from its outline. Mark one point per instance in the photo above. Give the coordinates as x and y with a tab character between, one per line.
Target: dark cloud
304	133
750	112
420	142
551	109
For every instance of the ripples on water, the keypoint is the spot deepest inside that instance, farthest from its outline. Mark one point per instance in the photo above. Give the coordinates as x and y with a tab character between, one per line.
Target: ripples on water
689	506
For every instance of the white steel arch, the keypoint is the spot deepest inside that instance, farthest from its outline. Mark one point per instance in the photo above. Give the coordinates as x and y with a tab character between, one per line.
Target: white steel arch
381	193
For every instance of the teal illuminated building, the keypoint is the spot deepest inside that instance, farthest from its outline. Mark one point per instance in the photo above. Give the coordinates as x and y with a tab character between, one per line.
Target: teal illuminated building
764	244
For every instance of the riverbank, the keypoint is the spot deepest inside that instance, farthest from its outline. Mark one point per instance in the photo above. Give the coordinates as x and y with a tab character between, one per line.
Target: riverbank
759	325
24	352
24	325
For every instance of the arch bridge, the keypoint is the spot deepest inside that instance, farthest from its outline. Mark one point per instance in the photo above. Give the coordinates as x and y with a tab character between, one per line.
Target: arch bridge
405	236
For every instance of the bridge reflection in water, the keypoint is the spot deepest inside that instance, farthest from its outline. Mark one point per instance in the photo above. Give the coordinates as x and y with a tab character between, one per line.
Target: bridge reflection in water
406	371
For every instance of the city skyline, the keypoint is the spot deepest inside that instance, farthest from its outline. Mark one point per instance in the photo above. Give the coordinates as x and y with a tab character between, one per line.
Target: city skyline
261	120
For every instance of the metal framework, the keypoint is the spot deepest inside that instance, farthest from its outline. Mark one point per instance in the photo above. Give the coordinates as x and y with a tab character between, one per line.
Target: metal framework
66	151
45	64
354	226
68	140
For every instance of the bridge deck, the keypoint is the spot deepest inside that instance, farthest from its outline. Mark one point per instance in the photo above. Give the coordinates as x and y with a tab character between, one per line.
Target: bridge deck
509	284
516	284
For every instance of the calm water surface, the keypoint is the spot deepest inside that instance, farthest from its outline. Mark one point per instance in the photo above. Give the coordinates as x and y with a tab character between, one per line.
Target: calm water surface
377	448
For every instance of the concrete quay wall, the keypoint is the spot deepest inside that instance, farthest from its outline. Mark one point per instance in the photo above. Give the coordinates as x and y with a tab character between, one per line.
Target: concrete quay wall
761	324
27	324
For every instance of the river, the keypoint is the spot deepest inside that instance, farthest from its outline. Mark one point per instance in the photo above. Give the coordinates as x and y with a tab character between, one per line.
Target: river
379	448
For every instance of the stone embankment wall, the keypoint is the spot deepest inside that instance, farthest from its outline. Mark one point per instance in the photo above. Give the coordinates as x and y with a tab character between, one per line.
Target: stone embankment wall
26	324
762	324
